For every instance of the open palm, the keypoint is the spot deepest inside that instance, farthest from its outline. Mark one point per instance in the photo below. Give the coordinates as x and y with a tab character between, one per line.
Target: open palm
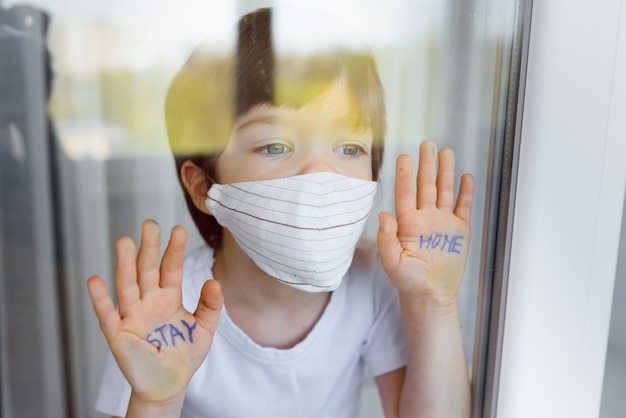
157	344
424	249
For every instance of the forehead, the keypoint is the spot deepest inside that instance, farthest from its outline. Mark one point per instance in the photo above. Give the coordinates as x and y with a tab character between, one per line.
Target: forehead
334	107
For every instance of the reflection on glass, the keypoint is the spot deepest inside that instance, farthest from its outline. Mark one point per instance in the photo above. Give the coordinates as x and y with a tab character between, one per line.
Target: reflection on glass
112	66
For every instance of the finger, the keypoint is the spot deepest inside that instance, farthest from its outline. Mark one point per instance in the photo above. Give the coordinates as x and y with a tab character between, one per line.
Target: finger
103	306
389	246
427	176
126	275
464	203
445	180
403	190
148	258
209	306
172	264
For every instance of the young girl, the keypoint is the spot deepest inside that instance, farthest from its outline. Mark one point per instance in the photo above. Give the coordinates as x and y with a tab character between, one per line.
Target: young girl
278	164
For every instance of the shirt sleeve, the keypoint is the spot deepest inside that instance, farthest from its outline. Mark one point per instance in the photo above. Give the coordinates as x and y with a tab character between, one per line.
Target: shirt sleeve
114	391
385	347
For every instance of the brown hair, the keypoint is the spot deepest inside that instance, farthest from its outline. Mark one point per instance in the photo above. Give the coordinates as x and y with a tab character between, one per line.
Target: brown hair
211	91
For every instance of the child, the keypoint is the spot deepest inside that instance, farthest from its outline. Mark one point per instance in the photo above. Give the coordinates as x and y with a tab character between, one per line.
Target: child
287	306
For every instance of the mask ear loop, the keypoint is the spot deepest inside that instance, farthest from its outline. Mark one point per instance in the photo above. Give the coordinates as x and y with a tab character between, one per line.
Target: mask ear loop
209	181
209	168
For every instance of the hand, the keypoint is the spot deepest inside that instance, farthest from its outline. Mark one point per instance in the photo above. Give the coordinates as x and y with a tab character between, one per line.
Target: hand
157	344
425	248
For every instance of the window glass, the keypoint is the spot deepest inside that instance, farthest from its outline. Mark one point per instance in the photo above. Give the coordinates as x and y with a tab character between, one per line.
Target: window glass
84	155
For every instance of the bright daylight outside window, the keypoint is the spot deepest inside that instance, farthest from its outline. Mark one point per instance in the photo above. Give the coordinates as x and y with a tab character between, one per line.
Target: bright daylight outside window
85	159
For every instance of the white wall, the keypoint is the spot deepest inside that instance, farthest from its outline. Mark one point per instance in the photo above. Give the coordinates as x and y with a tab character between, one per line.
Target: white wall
568	211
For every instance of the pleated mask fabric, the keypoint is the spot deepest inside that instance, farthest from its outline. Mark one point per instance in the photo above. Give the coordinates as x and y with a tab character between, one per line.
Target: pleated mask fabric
301	230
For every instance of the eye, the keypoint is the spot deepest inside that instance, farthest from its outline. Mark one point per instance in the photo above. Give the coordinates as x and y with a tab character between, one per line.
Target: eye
276	148
350	150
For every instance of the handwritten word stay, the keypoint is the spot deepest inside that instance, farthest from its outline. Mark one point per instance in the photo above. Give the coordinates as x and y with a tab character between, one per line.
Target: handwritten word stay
442	242
168	334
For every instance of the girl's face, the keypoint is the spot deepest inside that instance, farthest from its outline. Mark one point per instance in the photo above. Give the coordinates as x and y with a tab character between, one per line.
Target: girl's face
273	142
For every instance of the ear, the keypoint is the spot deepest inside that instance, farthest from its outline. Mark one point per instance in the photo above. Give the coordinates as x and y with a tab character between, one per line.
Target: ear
194	180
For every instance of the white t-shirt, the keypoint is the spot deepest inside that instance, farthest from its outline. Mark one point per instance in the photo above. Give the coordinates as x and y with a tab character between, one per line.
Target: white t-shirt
319	377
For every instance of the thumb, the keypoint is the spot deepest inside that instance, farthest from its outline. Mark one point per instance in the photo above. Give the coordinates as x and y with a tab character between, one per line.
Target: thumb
389	246
209	306
108	316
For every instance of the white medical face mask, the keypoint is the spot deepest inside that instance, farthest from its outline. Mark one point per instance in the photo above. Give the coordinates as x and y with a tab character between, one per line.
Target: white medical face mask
301	230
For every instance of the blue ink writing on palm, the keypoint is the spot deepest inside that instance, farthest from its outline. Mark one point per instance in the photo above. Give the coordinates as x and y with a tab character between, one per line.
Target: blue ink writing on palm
442	242
166	334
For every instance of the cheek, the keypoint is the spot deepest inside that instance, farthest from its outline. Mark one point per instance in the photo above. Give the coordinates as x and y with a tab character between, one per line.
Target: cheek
228	167
219	165
362	170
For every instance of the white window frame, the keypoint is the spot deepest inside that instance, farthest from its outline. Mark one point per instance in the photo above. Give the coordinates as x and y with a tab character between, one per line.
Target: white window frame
568	207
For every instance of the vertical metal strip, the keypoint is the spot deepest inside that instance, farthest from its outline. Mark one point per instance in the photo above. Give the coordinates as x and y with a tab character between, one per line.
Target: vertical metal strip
496	251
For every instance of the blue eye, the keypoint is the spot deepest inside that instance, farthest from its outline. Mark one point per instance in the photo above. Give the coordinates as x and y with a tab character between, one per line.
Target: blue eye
274	149
350	150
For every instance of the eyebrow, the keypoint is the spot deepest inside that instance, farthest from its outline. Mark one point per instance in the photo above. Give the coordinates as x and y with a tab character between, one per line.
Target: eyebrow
261	119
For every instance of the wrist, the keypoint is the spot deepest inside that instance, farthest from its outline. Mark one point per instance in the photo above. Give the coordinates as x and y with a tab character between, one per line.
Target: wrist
431	302
171	408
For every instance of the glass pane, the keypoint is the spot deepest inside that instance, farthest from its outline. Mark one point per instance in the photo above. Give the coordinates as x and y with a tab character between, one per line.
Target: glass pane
71	186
